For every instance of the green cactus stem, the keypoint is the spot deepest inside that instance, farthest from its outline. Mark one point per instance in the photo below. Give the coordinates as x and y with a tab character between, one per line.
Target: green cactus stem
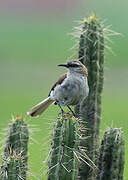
14	165
91	54
62	164
111	159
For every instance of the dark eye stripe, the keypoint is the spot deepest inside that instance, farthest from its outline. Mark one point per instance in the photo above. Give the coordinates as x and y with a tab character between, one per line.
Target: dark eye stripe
73	65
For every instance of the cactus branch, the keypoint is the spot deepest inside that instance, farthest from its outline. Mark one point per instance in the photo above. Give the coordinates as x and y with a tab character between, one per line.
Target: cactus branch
91	54
14	165
62	164
111	159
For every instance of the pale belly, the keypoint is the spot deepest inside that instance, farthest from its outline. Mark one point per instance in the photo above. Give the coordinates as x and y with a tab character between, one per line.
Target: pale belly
71	92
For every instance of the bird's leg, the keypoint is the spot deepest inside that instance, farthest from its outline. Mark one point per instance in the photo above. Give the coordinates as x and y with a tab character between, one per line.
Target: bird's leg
62	111
71	110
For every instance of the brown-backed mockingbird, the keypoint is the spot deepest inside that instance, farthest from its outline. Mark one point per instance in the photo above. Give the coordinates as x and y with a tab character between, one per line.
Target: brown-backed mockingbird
70	89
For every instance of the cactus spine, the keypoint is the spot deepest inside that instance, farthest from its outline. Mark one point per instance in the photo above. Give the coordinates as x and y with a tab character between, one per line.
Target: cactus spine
91	54
15	155
62	164
111	159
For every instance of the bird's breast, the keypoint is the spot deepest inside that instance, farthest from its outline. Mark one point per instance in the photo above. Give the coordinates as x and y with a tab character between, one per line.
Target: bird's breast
71	91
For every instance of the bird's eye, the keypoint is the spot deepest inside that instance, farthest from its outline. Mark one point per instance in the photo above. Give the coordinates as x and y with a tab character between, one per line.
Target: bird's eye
75	65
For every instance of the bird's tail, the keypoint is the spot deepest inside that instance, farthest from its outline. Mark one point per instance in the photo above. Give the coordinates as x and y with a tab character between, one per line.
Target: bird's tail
40	108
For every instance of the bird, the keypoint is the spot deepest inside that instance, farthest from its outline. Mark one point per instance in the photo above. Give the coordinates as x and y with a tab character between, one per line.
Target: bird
70	89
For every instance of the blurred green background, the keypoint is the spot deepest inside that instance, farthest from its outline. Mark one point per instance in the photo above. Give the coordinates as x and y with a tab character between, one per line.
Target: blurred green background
33	40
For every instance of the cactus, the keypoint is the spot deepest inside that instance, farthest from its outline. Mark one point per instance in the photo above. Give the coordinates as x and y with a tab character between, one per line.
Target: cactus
74	144
62	164
91	54
15	155
111	159
13	168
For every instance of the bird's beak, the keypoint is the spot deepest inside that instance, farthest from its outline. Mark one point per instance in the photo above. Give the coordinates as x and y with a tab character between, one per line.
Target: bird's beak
64	65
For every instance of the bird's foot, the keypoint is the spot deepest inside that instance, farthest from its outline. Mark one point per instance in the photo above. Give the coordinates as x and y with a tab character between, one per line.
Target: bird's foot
61	110
71	110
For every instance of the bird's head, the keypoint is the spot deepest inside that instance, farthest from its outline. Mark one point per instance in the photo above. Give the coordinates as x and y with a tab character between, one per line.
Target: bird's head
75	66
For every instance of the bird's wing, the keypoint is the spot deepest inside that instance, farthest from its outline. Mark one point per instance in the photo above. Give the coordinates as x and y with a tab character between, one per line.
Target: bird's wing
60	80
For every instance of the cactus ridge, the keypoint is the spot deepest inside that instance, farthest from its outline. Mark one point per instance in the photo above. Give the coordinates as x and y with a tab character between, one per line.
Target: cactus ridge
111	159
15	156
13	168
17	137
